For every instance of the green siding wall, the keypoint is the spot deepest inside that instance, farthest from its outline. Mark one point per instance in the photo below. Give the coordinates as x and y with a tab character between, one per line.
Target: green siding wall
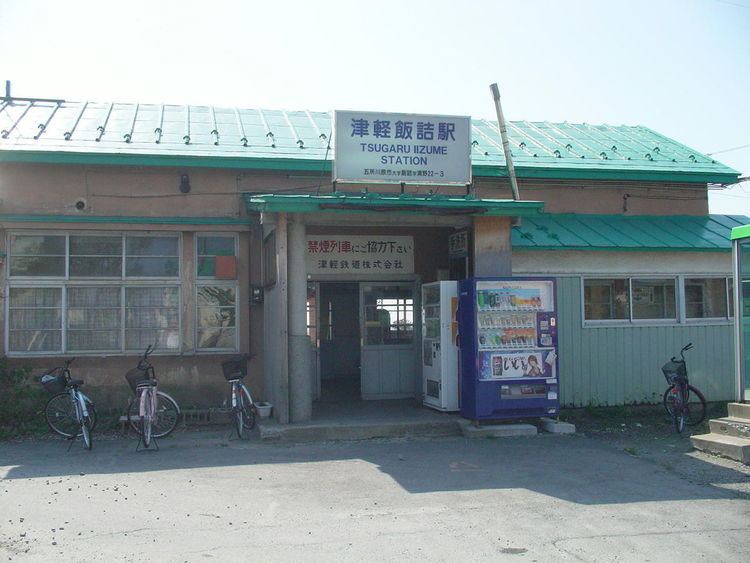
622	365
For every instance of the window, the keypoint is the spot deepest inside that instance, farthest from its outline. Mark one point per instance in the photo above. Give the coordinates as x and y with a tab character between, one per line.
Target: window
216	317
152	316
706	298
606	299
37	255
216	300
209	247
94	318
389	315
654	299
93	305
34	318
152	257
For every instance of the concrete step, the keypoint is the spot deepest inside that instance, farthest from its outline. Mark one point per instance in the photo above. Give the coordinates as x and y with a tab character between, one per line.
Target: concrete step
732	447
497	430
729	426
739	410
270	430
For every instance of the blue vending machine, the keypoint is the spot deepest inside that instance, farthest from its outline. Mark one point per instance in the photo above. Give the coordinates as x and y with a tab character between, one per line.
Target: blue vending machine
508	347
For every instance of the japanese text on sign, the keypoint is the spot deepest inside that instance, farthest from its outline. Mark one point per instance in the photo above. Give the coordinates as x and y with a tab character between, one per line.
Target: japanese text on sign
357	254
382	147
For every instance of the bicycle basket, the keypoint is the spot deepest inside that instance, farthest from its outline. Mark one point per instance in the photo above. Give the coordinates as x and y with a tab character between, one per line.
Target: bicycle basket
54	384
234	368
136	376
673	370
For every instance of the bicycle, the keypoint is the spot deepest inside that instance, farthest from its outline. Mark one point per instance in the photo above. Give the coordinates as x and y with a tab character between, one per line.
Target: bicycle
243	407
151	413
679	398
68	412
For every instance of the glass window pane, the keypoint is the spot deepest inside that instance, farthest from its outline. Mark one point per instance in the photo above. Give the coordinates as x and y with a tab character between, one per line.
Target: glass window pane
37	245
95	246
35	319
152	317
152	246
95	267
730	291
389	315
217	338
216	317
37	266
606	299
94	318
152	267
654	299
705	298
216	245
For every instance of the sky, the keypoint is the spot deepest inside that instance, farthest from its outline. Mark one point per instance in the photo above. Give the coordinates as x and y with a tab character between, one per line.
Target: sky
681	67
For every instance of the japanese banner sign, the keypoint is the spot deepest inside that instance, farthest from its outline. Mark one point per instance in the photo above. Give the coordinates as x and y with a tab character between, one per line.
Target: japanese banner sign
358	254
397	147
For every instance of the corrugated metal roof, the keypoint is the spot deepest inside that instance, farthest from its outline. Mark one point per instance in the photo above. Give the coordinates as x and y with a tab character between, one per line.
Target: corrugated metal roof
539	149
619	232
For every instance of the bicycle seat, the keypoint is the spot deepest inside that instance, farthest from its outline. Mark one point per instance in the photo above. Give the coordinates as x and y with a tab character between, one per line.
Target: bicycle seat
75	382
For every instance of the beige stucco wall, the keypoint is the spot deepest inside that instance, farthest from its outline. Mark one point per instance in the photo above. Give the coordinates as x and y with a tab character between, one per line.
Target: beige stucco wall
195	379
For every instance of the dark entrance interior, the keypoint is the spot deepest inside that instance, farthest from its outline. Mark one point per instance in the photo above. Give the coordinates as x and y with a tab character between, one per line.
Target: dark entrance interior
339	342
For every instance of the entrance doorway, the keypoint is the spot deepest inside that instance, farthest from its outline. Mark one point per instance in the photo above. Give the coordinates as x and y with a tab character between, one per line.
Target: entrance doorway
339	341
364	337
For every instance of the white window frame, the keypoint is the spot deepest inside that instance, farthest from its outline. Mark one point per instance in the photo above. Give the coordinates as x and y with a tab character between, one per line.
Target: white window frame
65	282
709	320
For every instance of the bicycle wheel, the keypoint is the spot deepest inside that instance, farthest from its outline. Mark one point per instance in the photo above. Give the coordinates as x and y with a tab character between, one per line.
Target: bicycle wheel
134	417
92	413
146	417
86	432
61	415
248	408
167	415
696	405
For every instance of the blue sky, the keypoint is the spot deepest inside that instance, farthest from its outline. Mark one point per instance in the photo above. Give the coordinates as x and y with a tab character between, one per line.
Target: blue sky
680	67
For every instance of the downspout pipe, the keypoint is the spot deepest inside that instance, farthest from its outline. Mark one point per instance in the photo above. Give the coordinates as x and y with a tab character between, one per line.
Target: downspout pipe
506	146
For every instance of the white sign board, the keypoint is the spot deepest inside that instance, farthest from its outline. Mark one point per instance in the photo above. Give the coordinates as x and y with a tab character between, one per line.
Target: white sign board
399	147
359	254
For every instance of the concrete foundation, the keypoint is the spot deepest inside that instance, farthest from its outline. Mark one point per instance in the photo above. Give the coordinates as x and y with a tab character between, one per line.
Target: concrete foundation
497	430
556	427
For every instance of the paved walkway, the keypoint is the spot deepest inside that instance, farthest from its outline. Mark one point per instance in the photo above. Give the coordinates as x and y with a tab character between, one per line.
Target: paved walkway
444	499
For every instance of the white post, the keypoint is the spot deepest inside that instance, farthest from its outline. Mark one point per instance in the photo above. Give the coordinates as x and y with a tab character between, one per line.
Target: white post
506	145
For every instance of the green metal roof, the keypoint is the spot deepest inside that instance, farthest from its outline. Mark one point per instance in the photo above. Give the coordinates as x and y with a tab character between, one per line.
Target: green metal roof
57	131
741	232
404	203
619	232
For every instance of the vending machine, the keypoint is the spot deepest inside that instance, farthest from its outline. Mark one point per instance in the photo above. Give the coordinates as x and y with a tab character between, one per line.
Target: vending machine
508	348
440	345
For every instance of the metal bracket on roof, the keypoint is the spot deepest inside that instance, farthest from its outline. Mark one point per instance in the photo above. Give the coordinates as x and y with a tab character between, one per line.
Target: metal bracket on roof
241	127
295	135
159	123
269	133
186	136
129	135
103	126
5	132
321	136
215	130
43	126
69	133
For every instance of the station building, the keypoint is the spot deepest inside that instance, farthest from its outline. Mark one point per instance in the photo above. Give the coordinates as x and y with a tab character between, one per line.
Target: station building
215	231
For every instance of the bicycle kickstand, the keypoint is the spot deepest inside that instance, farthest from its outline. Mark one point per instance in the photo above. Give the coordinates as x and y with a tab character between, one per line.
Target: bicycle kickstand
154	443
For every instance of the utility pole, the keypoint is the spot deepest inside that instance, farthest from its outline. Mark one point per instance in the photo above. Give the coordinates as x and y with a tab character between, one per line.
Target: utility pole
506	146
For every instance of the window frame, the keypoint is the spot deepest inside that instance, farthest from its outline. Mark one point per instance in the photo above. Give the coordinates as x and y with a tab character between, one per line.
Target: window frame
198	235
65	282
680	302
212	282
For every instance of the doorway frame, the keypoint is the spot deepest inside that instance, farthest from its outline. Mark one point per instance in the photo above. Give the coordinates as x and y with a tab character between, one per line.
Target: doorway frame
416	283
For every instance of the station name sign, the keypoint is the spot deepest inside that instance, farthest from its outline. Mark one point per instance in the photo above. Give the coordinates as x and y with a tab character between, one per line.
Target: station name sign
401	148
360	254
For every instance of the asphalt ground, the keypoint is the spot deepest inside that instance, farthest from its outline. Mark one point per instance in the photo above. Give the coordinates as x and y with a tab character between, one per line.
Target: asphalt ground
203	496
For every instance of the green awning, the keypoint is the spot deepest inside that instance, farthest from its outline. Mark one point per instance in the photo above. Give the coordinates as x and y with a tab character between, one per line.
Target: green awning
396	203
742	231
620	232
